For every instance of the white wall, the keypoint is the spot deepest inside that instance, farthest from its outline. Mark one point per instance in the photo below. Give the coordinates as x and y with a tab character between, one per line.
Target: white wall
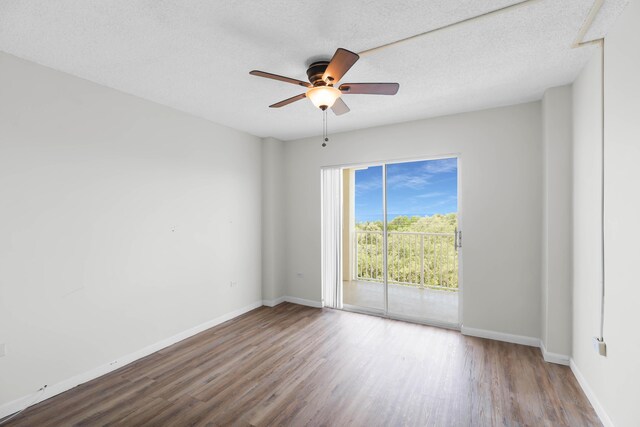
122	223
613	381
273	227
501	181
556	229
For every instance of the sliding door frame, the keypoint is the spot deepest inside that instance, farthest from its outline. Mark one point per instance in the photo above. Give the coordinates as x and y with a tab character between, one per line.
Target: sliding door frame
385	312
385	241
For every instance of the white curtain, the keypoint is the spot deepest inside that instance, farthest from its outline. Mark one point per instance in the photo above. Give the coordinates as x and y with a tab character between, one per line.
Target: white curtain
332	238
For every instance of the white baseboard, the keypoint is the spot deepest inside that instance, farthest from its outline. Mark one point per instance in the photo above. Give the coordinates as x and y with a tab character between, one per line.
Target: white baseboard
54	389
293	300
560	359
606	421
273	302
500	336
301	301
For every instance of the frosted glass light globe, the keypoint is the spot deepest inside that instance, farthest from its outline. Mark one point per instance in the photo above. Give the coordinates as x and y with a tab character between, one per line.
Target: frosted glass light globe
323	96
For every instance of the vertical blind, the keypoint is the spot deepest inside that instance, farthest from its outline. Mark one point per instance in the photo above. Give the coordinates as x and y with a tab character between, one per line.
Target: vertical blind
331	237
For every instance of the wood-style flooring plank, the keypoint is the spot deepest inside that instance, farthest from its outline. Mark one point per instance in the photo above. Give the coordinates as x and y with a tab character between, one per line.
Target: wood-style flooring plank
295	365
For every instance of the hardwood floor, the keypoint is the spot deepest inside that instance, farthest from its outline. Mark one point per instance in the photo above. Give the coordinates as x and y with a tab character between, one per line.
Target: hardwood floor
295	365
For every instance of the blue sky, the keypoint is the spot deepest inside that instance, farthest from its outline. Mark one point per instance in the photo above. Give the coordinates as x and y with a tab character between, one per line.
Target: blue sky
413	189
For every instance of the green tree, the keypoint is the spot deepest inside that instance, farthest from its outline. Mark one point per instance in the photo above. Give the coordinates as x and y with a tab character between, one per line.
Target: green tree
410	238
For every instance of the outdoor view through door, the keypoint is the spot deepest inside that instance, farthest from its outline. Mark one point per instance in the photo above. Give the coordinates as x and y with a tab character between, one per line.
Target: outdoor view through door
422	256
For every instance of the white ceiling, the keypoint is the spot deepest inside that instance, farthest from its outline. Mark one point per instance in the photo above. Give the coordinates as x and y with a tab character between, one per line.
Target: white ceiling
196	56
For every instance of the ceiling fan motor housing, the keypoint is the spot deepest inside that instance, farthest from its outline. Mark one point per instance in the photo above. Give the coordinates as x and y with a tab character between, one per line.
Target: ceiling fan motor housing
316	71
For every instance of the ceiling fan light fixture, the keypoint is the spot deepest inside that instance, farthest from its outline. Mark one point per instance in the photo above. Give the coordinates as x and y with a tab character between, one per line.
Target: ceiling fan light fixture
323	97
323	75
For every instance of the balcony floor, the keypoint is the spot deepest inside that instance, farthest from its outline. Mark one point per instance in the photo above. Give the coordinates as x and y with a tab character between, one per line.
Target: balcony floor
423	304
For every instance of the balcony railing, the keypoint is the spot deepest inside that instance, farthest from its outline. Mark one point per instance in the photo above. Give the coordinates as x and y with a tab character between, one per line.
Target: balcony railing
416	259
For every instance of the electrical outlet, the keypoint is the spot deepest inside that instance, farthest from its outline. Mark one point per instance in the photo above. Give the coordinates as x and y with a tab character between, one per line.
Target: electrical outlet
3	349
300	276
600	346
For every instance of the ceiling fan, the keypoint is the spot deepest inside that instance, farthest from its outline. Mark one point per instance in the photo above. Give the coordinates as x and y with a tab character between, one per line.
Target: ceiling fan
323	75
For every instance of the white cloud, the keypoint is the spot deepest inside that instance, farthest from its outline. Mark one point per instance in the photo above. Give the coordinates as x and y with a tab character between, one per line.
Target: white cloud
441	166
415	179
437	204
430	195
370	184
408	180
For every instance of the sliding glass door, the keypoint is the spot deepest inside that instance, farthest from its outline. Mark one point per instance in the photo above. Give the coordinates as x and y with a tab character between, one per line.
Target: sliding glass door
363	248
422	257
401	249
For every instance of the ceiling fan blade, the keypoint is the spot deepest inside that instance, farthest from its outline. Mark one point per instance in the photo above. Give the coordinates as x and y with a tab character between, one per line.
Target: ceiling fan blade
281	78
341	62
370	88
339	107
288	101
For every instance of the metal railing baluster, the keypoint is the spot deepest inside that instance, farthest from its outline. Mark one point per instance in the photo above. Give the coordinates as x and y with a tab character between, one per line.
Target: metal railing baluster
415	258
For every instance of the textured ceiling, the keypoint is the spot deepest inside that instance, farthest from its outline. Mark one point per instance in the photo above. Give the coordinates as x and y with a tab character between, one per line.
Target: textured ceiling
195	56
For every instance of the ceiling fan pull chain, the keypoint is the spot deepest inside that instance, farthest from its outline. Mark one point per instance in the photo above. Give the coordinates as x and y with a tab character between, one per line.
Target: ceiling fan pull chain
325	133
